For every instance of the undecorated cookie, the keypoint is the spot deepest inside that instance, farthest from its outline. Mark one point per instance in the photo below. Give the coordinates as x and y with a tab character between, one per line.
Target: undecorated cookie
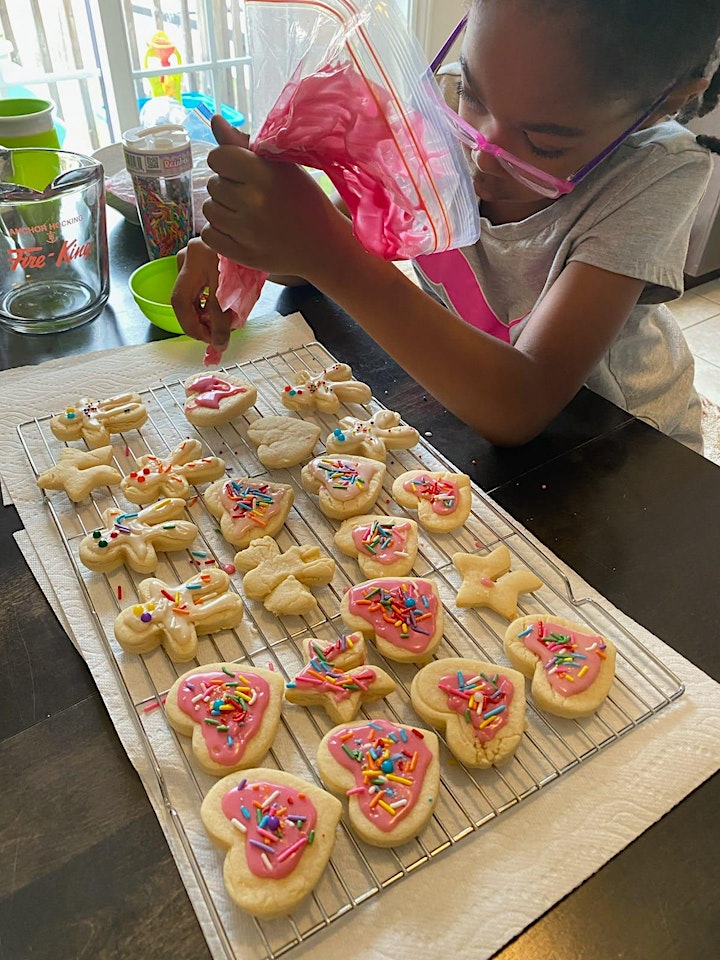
276	858
78	472
283	441
231	712
572	669
398	802
283	580
480	706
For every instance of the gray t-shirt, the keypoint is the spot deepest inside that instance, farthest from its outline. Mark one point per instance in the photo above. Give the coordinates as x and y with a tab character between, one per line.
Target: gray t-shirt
631	216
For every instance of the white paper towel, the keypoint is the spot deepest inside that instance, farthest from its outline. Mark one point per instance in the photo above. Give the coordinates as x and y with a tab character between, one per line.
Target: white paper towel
633	782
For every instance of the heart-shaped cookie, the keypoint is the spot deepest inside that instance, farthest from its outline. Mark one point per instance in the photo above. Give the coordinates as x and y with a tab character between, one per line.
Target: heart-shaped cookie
347	486
384	546
283	441
442	499
248	509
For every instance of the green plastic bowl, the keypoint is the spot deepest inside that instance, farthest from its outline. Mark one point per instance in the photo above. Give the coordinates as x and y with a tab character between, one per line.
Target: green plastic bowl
151	285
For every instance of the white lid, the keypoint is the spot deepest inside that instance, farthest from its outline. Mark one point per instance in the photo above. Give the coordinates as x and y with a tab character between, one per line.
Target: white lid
166	138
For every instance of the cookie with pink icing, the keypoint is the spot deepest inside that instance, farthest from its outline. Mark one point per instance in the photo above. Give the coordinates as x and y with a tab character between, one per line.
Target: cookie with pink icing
383	546
171	475
479	706
390	774
249	508
348	651
402	615
324	391
279	833
442	499
173	615
572	667
215	398
230	710
347	486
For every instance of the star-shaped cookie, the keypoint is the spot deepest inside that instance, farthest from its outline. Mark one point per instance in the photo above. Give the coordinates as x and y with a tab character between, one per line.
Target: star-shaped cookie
80	471
340	693
487	583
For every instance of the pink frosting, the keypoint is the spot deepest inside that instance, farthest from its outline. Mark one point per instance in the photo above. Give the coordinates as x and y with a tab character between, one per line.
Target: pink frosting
250	505
442	493
320	677
229	709
397	785
278	825
384	542
483	701
572	660
343	479
401	611
210	390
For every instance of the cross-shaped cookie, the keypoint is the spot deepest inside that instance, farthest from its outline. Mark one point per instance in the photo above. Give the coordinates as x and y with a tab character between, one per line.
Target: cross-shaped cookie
94	420
283	580
172	475
372	438
487	583
325	391
80	471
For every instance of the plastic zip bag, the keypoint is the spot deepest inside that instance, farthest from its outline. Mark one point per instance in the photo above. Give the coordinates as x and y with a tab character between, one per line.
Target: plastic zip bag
344	87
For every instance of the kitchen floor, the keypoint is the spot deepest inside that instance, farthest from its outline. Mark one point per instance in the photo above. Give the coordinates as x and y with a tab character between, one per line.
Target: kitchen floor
698	313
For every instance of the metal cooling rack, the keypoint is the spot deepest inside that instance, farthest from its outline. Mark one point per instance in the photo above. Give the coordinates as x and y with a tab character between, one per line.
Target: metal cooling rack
469	799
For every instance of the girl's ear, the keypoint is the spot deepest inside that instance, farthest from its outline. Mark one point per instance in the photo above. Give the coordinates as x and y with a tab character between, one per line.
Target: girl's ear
679	97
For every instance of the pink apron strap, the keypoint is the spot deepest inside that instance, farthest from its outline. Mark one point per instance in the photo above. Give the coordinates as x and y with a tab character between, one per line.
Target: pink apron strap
451	272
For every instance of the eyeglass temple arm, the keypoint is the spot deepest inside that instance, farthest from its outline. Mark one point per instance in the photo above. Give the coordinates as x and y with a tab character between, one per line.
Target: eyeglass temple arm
443	51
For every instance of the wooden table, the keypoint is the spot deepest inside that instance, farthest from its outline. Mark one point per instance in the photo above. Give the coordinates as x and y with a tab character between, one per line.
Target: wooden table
84	868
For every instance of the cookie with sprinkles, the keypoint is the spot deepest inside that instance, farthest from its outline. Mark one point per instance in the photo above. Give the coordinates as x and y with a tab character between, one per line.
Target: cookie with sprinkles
479	706
390	774
95	420
324	391
231	711
572	668
442	499
173	474
279	833
347	486
402	615
215	398
248	509
348	651
382	546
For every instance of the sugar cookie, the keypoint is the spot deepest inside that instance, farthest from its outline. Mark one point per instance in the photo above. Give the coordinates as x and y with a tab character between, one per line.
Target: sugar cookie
572	669
402	615
402	796
348	651
78	472
283	441
135	538
274	862
248	509
95	420
283	580
383	546
214	398
347	486
480	706
325	391
372	438
442	499
171	476
231	712
174	615
487	583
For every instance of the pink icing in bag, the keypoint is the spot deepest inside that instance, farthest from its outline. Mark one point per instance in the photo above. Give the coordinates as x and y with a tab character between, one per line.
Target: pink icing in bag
342	86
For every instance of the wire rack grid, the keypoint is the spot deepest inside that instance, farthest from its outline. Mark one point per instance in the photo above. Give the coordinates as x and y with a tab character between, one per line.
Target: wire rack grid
469	799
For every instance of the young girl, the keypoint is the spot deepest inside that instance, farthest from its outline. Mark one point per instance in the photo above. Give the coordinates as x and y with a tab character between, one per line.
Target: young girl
580	244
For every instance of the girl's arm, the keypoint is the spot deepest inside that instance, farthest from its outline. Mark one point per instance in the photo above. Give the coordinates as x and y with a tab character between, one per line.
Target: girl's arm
273	216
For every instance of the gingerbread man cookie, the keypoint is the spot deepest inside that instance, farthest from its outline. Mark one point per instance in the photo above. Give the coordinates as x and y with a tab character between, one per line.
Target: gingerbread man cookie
80	471
248	509
572	668
340	692
487	583
346	485
172	475
276	858
442	499
403	615
135	538
283	580
174	615
372	438
214	399
95	420
283	441
231	711
481	708
383	546
389	772
325	391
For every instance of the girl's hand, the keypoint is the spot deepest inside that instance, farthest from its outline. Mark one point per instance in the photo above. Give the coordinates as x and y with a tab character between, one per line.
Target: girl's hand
267	214
194	298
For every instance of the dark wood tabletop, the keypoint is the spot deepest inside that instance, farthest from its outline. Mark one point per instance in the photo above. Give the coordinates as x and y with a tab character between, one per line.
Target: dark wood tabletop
84	867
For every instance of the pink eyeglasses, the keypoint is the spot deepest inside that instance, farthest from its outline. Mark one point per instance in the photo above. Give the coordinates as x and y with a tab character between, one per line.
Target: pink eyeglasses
530	176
